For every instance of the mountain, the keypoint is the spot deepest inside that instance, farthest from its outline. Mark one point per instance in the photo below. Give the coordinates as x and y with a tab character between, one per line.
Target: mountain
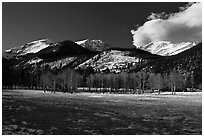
29	48
166	48
112	60
93	45
51	54
67	53
51	48
188	62
117	60
97	56
41	56
56	56
63	49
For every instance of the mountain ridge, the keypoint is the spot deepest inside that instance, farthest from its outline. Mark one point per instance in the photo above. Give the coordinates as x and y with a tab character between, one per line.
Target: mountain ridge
30	47
167	48
93	44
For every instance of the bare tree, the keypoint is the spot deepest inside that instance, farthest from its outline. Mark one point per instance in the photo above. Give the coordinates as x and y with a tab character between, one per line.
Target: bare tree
144	80
139	81
172	79
159	82
152	81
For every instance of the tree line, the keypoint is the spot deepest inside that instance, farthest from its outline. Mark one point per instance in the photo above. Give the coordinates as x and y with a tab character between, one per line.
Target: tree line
65	81
69	80
136	83
140	82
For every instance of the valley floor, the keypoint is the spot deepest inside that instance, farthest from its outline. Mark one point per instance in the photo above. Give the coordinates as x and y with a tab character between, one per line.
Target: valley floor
35	112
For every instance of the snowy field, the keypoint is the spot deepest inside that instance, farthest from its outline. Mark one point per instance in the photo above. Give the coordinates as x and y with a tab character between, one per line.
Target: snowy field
35	112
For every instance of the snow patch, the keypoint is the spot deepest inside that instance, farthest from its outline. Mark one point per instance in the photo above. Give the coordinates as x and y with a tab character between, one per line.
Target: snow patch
80	42
35	60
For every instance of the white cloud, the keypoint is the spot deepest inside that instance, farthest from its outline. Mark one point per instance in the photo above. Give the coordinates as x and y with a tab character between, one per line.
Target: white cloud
185	25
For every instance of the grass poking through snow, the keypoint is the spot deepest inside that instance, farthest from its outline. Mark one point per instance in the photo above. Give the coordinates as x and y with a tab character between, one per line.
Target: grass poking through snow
35	112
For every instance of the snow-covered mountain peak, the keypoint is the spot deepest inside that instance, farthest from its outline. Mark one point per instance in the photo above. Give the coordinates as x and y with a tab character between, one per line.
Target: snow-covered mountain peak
31	47
93	44
40	40
166	48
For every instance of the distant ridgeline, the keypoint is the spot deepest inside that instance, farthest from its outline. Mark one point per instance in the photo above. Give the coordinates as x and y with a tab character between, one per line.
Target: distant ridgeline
68	66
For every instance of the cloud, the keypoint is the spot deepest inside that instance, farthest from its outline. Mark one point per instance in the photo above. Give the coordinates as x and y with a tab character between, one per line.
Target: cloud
185	25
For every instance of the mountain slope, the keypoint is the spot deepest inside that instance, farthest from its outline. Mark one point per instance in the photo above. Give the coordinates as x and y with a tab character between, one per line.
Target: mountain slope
31	47
63	49
93	45
117	60
56	56
188	62
166	48
70	54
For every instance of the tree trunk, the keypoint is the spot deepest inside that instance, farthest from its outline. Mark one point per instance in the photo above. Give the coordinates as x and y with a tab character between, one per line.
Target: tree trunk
143	86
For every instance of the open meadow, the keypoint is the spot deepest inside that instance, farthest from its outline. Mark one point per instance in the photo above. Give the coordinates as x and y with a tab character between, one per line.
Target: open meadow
35	112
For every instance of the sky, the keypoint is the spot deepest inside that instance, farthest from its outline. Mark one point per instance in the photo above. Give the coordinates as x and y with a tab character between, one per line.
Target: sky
182	26
116	24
